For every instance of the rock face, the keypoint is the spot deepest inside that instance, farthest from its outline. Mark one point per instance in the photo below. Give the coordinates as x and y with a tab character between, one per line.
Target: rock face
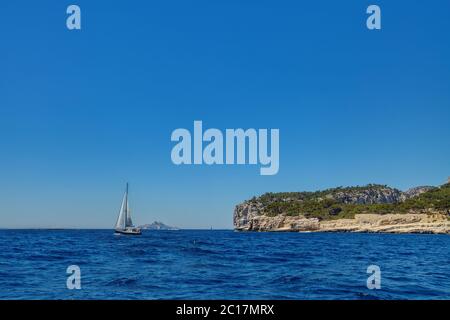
414	192
390	223
255	214
277	223
246	219
368	196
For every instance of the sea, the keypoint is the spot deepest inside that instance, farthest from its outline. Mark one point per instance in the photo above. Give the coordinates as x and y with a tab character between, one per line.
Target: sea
222	264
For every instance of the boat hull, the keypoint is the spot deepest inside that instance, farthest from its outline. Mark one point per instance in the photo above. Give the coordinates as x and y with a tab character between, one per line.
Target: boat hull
129	232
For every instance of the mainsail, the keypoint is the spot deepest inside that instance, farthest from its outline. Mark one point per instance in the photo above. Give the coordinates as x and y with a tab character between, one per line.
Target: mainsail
128	222
124	219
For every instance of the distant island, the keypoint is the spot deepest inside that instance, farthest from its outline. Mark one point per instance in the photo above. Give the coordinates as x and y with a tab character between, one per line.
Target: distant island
370	208
157	225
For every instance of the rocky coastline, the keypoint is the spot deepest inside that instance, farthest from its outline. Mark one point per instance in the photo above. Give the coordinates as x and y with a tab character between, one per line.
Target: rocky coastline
372	209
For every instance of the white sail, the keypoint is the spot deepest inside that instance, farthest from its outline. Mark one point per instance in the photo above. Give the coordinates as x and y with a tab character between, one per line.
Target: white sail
128	222
122	218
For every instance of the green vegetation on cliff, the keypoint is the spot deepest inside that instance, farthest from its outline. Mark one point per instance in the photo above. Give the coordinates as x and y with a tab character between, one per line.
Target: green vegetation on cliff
436	199
338	203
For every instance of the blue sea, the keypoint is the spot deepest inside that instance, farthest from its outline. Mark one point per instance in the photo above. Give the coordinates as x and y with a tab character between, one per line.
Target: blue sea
193	264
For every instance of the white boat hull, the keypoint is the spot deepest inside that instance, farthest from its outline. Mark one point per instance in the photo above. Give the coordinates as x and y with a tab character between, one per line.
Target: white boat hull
129	231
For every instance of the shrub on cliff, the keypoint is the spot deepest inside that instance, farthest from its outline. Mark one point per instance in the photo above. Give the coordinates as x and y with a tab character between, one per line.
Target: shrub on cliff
330	204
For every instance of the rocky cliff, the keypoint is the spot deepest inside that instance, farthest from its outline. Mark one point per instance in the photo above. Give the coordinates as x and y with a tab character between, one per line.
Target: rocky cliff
372	208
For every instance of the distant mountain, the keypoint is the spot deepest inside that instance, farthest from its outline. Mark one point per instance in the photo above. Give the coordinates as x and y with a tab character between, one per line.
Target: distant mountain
157	225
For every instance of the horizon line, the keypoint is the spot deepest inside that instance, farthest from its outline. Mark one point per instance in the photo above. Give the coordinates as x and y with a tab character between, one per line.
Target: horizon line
87	228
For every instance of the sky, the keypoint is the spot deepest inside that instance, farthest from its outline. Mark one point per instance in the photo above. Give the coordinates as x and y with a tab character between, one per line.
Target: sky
82	112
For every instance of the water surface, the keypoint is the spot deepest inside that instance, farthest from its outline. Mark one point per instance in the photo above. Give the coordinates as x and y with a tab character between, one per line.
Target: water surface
192	264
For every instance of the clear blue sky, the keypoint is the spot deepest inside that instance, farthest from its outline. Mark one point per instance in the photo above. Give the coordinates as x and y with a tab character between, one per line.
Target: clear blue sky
82	112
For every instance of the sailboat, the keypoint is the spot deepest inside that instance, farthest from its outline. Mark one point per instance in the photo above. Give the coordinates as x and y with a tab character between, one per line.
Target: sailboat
124	224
